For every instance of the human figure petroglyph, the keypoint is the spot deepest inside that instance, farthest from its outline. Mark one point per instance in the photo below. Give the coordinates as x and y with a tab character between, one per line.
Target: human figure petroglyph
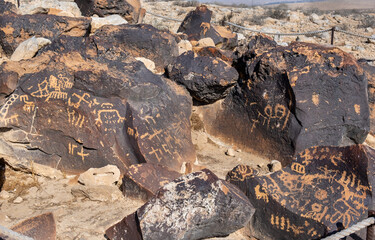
108	115
53	88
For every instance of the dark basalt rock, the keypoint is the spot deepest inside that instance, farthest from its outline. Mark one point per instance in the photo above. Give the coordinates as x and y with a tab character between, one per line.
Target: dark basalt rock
141	40
129	9
41	227
144	180
82	104
226	56
195	206
291	98
323	189
207	79
196	26
127	228
14	29
369	72
7	8
2	173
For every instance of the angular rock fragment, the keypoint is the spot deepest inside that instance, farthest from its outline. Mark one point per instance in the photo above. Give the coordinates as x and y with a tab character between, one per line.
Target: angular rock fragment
197	26
82	103
127	228
141	40
207	79
108	176
97	22
195	206
144	180
130	9
322	189
29	48
42	227
291	98
14	29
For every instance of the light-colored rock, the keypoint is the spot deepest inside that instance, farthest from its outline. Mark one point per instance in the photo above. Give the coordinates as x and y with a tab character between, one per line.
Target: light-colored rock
314	18
275	166
4	195
98	22
294	17
29	48
240	37
69	9
150	65
230	152
100	193
369	29
184	46
206	42
18	200
107	175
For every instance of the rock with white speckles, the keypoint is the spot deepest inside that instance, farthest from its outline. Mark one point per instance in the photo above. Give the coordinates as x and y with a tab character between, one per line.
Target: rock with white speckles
195	206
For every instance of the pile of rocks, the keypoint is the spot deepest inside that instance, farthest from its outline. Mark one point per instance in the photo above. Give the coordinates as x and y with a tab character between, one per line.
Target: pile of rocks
111	102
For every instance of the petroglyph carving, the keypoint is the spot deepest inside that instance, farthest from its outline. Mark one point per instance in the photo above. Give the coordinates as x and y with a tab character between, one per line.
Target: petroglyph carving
108	116
272	117
261	194
155	152
53	88
284	223
75	119
29	106
299	168
5	108
79	99
73	151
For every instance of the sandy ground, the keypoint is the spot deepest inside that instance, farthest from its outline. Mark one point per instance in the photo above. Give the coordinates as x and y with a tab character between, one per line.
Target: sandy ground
336	5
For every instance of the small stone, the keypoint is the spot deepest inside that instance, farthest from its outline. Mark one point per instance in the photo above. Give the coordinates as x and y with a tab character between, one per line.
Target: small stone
230	152
4	195
206	42
275	166
149	64
100	193
29	48
98	22
18	200
240	37
107	175
184	46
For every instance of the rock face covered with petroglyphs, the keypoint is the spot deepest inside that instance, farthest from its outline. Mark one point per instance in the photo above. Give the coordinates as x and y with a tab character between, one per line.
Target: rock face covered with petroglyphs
291	98
195	206
323	189
82	103
14	29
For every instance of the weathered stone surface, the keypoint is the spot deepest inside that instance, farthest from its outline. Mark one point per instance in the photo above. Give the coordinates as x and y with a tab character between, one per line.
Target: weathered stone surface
84	104
130	9
127	228
198	205
2	173
369	72
7	7
214	52
56	7
108	175
144	180
98	193
197	26
141	40
291	98
323	188
14	29
42	227
29	48
98	22
207	79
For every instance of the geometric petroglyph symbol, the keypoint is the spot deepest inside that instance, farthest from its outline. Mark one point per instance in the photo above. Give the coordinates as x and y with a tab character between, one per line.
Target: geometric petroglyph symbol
53	88
29	106
73	151
278	114
75	118
79	99
108	116
5	108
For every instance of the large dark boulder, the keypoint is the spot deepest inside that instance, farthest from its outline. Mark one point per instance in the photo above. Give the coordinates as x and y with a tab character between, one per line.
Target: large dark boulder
129	9
14	29
141	40
208	79
197	25
291	98
321	191
82	103
144	180
195	206
369	72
